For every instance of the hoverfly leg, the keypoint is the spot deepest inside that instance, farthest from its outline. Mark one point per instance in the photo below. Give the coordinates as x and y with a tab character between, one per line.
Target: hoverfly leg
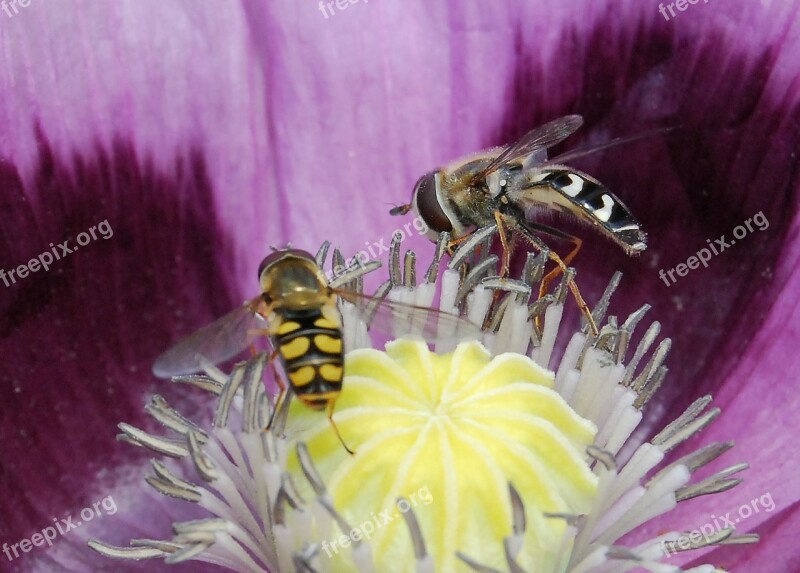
501	231
549	277
254	333
335	429
281	396
451	246
557	271
562	267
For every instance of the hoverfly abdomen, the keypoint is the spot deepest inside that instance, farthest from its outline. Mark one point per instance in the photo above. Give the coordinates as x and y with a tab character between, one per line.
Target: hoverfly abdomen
588	199
311	348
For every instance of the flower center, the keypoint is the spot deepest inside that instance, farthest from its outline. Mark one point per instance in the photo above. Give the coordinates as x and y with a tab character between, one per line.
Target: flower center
448	434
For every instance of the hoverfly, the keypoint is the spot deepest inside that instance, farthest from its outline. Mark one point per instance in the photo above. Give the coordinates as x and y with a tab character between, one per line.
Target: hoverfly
510	185
297	311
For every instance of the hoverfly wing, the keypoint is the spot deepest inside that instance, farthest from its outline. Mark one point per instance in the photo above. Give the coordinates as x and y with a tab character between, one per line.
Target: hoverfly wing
537	139
398	318
568	156
216	342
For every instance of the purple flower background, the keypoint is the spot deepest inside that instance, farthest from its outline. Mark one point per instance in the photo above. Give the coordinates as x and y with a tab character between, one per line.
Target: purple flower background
205	131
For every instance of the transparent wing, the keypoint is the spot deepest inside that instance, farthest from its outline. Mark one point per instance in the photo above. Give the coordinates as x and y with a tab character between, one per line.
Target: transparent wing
219	341
397	319
589	150
537	139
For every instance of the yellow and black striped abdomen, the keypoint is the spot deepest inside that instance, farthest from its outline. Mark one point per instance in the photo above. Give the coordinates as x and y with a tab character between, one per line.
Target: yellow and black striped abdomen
312	352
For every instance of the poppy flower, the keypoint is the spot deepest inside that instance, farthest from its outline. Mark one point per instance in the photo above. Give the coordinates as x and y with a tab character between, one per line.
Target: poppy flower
196	134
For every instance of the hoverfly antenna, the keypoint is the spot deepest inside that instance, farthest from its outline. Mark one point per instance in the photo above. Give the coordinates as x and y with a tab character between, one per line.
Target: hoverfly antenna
276	249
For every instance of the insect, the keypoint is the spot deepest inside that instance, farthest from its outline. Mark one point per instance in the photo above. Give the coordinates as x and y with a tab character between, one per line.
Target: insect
511	185
297	311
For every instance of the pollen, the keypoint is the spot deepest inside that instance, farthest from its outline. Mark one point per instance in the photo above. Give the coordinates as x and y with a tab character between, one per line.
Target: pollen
448	433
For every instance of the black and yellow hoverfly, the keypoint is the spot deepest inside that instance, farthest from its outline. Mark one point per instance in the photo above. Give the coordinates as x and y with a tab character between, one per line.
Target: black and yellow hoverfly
297	311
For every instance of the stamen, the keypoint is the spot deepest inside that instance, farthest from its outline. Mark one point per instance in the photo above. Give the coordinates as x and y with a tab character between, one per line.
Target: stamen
167	447
688	424
686	543
474	277
159	409
322	254
716	483
394	260
467	248
171	490
704	455
441	247
600	309
417	540
354	274
135	553
200	381
644	345
410	270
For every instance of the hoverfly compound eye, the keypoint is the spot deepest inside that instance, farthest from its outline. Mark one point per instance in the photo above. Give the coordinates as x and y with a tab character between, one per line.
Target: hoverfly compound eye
429	207
268	261
281	254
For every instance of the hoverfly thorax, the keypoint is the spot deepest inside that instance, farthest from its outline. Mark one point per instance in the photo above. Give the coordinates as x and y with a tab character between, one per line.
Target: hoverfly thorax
292	279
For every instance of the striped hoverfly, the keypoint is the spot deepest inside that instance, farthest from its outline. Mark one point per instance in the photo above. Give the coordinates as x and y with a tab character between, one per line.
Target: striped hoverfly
511	186
297	312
